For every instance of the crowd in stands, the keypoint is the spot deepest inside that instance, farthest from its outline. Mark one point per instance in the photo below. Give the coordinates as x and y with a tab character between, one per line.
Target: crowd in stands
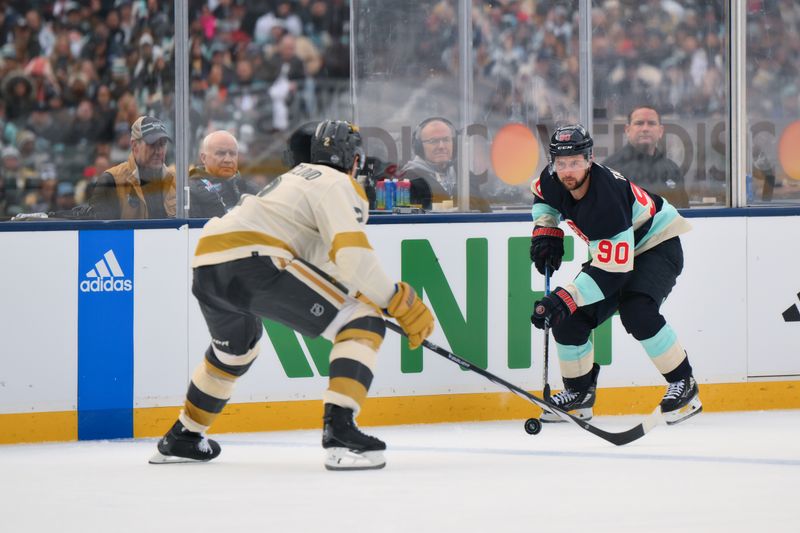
74	75
667	53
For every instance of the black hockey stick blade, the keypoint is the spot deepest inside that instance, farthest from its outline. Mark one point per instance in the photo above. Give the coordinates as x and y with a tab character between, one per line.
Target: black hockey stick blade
621	438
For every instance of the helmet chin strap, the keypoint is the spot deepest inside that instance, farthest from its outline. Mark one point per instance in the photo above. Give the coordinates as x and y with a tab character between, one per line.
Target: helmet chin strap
355	168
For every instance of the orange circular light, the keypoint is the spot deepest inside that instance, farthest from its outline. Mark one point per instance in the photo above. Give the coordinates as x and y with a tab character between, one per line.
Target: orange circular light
789	150
515	153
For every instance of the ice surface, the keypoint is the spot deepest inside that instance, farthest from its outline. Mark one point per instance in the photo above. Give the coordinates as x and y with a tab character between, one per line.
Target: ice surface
722	472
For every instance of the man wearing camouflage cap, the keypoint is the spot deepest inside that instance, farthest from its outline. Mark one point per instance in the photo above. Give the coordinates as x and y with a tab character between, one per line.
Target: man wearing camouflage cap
143	186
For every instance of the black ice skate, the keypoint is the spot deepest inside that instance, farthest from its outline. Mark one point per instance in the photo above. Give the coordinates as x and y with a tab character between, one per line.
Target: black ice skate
578	403
348	448
180	445
681	401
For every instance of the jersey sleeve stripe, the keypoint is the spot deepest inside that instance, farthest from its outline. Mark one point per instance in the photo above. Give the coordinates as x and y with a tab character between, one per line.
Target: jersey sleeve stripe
350	239
544	215
661	224
359	190
587	289
222	242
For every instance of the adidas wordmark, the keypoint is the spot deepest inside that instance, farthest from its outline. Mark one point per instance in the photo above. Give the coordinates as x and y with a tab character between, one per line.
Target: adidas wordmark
106	276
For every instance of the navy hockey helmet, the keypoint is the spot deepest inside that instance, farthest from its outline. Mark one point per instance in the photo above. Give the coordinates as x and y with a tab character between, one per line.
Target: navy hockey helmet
298	147
337	143
570	140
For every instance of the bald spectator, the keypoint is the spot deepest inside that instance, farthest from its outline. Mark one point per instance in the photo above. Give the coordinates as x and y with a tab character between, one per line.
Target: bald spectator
142	186
216	185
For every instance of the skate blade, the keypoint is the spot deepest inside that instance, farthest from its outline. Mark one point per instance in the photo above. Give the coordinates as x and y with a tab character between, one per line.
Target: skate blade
159	458
345	459
677	416
552	418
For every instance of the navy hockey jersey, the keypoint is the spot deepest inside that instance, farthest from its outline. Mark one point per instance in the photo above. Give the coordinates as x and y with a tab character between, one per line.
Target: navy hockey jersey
616	218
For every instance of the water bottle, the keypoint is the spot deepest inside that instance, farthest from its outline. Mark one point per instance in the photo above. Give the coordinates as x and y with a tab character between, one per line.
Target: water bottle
404	186
390	190
380	195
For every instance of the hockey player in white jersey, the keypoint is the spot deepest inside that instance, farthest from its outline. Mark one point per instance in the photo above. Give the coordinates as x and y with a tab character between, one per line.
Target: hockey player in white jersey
271	257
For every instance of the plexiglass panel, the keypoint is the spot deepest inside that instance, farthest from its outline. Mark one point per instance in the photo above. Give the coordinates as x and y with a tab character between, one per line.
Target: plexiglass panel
773	102
75	77
672	58
412	96
408	99
257	71
526	82
457	96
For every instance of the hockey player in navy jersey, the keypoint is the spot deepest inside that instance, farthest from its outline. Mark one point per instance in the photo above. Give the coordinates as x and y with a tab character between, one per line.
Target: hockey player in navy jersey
296	253
636	256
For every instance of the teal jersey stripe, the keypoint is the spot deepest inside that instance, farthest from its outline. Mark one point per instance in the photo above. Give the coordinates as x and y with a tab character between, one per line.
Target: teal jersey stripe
660	342
622	236
590	291
573	353
639	209
661	221
541	209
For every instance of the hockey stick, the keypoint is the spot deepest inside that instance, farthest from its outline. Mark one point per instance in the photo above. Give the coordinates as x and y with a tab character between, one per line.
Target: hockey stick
652	420
546	352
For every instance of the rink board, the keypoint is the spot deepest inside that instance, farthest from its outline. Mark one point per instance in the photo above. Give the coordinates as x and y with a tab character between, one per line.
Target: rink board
87	360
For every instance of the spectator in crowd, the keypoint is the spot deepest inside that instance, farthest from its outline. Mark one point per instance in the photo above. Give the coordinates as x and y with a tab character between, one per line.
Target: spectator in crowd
8	130
642	162
285	72
85	128
15	186
18	94
143	186
432	171
43	197
65	196
216	185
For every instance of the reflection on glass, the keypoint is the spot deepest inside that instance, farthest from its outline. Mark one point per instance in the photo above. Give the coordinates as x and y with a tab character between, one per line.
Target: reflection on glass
526	81
258	70
75	76
773	103
660	97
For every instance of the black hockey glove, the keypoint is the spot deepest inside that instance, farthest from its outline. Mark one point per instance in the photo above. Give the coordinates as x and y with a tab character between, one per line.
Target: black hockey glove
547	248
553	308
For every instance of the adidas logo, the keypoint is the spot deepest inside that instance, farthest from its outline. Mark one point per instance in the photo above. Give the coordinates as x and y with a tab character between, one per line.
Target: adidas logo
106	276
793	313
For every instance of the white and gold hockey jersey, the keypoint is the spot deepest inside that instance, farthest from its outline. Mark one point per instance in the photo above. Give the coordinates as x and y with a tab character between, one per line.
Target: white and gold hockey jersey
313	212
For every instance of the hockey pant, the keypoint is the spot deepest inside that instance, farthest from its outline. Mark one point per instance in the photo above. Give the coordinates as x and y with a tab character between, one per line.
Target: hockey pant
638	303
236	296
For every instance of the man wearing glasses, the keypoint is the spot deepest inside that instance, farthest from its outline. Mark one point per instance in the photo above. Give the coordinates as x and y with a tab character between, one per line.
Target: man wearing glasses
432	171
636	257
